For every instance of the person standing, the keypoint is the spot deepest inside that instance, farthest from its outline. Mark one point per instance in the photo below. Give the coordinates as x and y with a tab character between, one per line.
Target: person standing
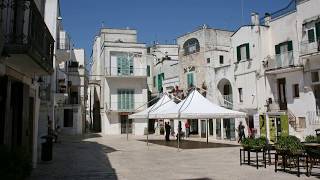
187	125
167	129
179	131
241	132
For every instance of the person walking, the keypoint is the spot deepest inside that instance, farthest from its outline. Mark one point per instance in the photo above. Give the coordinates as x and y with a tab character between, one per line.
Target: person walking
241	132
167	129
187	125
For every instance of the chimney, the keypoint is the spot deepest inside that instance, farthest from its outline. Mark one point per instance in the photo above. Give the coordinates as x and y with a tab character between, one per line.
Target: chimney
267	19
255	19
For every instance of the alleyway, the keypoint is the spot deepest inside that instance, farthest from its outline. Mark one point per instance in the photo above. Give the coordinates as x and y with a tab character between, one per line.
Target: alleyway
113	157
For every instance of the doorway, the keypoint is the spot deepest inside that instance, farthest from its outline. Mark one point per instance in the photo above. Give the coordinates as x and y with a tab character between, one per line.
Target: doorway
203	128
124	123
68	118
193	126
218	128
282	94
229	129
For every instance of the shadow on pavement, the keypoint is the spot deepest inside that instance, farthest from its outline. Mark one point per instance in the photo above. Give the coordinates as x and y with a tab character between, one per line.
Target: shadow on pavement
187	144
77	159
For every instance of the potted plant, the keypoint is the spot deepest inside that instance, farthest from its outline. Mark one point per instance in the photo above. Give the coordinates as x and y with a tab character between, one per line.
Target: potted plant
288	144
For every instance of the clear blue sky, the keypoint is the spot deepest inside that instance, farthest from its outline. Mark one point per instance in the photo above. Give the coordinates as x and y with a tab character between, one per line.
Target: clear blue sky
161	20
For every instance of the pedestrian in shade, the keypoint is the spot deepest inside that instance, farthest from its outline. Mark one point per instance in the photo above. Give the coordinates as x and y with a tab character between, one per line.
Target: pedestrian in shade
167	129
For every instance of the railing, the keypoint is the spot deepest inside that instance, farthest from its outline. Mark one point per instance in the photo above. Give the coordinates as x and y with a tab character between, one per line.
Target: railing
309	48
227	101
291	7
283	60
126	72
25	32
127	107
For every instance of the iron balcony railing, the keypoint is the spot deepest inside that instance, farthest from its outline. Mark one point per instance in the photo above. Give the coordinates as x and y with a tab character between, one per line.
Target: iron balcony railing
283	60
25	32
307	47
126	72
126	107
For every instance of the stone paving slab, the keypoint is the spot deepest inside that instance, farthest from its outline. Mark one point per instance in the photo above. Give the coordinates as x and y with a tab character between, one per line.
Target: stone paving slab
115	157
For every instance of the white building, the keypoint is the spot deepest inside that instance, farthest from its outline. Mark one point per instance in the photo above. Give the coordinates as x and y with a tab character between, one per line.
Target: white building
119	72
22	62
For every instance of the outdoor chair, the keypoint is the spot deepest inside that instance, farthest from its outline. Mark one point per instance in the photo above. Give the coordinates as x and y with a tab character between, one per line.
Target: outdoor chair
291	160
313	159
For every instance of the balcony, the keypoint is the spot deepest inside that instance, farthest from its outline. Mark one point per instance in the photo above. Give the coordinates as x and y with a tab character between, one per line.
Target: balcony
28	44
281	63
118	107
227	101
308	48
126	72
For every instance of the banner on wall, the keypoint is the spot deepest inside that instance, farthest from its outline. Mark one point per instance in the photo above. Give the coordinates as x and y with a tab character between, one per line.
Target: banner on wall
256	124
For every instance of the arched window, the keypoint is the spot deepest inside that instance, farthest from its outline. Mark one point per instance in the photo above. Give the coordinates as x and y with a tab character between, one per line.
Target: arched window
191	46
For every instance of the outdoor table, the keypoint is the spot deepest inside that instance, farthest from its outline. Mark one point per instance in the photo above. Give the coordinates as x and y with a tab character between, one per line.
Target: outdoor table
249	151
315	146
285	156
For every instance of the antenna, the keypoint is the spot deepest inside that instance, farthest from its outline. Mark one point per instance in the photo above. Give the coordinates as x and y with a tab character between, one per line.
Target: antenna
242	6
102	24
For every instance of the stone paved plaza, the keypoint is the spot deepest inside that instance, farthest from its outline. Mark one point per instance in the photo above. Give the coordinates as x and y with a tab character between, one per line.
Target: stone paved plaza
113	157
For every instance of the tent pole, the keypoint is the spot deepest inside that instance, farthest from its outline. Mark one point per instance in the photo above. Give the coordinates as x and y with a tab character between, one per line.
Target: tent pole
148	130
207	132
178	134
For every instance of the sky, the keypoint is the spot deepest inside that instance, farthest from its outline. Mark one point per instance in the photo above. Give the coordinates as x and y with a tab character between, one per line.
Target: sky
157	20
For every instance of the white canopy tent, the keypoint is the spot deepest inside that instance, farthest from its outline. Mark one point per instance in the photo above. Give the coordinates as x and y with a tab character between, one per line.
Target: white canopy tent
195	106
163	103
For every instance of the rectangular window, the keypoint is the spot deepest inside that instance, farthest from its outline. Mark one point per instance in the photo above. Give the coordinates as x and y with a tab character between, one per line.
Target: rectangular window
160	80
154	81
148	71
208	60
315	76
126	99
295	92
124	66
243	52
221	59
311	37
240	94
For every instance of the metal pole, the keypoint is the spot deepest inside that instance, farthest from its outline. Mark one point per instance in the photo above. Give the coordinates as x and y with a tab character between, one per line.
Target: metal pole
207	132
127	121
148	129
179	133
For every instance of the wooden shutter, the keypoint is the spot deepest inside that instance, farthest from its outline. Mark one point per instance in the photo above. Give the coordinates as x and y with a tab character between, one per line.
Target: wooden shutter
290	48
238	54
131	99
247	50
119	99
130	65
119	65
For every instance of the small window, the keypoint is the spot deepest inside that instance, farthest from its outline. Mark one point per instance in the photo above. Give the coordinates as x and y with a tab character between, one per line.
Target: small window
243	52
208	60
295	88
148	71
240	95
311	37
315	76
221	59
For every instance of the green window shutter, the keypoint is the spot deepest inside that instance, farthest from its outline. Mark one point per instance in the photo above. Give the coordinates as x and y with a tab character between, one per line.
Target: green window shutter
311	37
119	99
247	50
318	30
277	48
284	125
159	82
290	48
148	71
238	54
132	100
190	79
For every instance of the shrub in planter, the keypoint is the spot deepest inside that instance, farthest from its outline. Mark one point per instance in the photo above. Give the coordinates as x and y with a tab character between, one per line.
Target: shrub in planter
312	139
14	164
289	144
255	144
